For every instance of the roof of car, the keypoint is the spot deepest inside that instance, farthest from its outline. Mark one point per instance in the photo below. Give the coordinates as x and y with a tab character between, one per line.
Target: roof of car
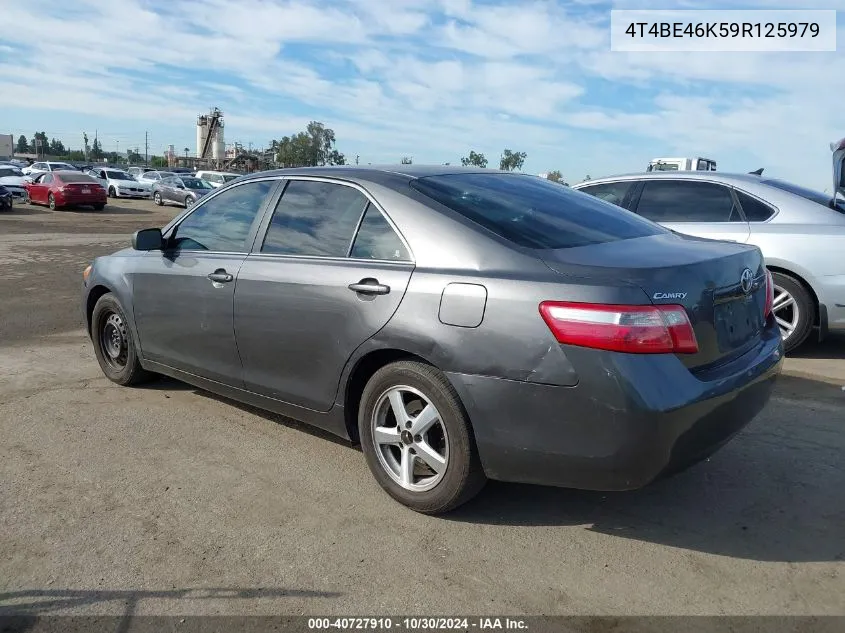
377	173
720	176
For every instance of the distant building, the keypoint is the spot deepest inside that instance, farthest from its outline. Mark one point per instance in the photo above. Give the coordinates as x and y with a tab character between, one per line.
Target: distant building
7	146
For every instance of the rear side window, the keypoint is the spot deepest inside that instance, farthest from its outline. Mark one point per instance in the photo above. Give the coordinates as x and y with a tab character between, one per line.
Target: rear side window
314	218
686	201
533	212
613	192
755	211
376	239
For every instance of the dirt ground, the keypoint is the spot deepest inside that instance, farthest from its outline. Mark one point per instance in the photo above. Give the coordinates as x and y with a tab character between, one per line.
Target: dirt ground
168	500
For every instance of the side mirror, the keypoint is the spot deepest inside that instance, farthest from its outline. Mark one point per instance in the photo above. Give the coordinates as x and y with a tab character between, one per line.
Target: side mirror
148	240
180	186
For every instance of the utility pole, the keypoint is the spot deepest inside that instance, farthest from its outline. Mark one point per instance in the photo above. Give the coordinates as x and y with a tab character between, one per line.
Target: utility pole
146	148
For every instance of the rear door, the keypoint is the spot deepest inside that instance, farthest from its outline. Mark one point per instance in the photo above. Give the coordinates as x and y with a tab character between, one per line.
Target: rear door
327	272
693	207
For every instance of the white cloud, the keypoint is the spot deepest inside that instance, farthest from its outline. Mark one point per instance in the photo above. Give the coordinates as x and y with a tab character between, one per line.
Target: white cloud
429	78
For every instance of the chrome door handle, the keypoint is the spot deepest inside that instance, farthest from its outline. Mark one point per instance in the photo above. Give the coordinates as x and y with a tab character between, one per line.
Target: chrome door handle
370	287
220	276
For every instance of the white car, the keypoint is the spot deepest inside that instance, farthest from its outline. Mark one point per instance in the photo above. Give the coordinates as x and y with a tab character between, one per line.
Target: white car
13	179
216	178
43	167
120	184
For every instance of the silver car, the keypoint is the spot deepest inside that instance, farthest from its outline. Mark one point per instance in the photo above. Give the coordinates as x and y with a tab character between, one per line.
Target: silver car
801	233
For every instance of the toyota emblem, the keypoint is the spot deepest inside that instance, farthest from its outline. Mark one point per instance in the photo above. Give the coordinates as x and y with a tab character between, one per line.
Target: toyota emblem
746	280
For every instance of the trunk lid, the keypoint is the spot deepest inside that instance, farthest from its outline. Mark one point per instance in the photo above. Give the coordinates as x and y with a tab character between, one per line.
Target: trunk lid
704	276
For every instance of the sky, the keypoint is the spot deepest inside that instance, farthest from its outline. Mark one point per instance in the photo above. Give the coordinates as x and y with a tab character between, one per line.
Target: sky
428	79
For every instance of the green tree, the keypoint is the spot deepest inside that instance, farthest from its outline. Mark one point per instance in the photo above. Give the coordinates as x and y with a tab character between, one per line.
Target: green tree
133	157
75	155
554	176
313	147
57	148
407	160
474	159
23	145
40	144
512	161
96	149
158	161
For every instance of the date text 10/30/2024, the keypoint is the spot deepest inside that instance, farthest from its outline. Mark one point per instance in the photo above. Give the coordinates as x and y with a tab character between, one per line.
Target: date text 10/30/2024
418	623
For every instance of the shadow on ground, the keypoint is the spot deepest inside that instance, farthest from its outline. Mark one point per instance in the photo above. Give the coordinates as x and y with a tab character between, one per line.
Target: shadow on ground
27	604
832	348
774	493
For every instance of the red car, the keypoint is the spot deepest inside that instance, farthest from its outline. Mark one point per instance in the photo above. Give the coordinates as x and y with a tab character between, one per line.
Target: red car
66	188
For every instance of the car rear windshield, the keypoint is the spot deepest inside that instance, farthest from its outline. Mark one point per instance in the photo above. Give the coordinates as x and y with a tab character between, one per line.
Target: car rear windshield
75	177
533	212
807	194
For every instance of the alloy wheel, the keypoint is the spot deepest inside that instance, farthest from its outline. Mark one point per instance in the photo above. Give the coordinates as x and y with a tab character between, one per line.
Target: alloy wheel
411	441
786	311
113	341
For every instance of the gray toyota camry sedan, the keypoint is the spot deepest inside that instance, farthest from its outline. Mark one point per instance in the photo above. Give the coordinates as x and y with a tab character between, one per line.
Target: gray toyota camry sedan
461	324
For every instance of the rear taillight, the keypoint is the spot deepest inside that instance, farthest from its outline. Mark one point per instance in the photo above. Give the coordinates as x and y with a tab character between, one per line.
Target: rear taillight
770	295
635	329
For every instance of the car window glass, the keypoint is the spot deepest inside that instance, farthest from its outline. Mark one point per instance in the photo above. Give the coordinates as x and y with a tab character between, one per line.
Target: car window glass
533	212
223	222
314	218
613	192
376	239
686	201
755	210
47	179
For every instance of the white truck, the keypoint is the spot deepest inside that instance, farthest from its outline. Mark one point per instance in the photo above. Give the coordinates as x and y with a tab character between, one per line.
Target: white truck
682	164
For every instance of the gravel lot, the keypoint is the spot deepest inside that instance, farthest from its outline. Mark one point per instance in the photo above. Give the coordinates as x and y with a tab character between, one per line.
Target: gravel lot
168	500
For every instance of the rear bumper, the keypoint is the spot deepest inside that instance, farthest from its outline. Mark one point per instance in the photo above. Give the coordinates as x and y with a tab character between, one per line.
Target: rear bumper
630	419
79	198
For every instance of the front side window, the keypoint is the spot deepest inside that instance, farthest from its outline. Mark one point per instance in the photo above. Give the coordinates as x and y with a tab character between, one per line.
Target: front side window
314	218
613	192
533	212
222	223
46	179
376	239
686	201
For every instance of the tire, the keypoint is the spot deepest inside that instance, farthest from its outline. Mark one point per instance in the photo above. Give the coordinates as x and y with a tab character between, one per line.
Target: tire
112	193
189	202
99	207
450	436
118	361
51	201
157	198
795	310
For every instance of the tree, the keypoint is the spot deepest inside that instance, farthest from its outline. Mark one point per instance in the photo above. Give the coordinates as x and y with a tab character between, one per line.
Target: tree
40	144
313	147
587	177
407	160
23	145
474	160
555	176
57	148
158	161
133	157
96	149
511	161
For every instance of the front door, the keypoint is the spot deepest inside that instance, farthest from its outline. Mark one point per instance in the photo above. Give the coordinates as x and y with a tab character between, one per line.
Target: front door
309	295
694	207
40	188
183	296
